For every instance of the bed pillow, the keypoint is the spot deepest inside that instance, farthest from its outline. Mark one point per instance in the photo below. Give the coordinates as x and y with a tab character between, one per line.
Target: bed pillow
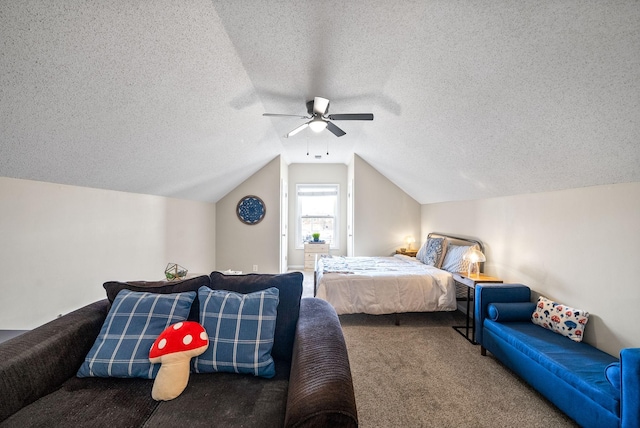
133	323
453	259
561	319
240	329
432	252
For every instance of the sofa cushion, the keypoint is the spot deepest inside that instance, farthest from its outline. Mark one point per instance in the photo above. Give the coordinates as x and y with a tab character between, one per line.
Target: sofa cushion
160	287
90	402
240	329
579	364
289	286
560	318
509	312
132	325
612	373
227	400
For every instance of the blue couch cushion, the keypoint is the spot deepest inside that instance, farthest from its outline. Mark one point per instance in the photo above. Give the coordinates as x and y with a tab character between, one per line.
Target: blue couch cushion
579	364
241	329
133	323
289	286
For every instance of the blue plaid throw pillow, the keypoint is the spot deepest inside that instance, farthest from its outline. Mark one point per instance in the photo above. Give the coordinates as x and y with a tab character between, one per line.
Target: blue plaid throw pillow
240	329
133	323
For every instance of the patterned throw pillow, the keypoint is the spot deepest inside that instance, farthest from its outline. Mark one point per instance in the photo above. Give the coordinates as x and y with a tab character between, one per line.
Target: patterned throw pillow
560	319
453	259
133	323
432	251
240	329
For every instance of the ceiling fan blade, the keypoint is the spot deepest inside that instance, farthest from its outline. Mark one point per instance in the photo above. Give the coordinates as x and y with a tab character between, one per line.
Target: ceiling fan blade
298	129
285	115
351	116
320	105
335	130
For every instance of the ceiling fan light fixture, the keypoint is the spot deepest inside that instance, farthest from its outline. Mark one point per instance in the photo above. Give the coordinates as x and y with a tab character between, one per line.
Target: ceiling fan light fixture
317	124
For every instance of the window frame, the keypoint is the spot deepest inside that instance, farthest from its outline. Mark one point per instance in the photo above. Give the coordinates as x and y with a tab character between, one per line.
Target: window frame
299	243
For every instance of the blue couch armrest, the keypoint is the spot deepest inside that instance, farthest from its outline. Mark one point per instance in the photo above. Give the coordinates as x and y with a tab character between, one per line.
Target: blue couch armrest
510	311
495	293
630	388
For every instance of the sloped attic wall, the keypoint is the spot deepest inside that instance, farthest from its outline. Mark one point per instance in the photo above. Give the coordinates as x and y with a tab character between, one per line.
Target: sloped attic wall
383	214
240	246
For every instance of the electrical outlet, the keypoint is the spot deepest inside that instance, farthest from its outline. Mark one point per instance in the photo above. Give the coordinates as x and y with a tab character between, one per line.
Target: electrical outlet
255	268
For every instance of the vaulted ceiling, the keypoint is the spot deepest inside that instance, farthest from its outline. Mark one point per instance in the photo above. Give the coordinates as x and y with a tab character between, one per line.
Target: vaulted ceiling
471	99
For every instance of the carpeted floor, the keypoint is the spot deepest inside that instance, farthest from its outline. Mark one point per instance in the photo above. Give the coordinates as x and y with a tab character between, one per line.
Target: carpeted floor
424	374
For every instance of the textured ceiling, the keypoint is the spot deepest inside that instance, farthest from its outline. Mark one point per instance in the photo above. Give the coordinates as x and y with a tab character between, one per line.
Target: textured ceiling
471	99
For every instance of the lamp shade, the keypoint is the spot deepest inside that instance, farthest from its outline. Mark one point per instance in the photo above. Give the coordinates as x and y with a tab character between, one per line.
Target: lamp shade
317	124
474	255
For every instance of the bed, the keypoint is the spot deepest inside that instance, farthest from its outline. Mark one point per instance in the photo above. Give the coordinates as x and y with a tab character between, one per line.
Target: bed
398	284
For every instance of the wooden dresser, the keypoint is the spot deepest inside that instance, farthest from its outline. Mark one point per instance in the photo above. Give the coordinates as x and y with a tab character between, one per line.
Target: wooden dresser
310	253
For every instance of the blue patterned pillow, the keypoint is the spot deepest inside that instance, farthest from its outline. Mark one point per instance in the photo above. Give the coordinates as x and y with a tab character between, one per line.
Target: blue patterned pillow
133	323
240	329
432	251
453	259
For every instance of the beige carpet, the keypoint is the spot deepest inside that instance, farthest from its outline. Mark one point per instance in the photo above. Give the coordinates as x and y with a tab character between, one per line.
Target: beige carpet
424	374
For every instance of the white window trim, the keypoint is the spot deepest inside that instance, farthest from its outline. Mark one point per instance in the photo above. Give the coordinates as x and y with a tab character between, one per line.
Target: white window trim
335	245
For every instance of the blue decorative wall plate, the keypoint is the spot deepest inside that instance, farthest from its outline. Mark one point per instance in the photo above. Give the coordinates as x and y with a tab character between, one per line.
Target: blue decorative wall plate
251	210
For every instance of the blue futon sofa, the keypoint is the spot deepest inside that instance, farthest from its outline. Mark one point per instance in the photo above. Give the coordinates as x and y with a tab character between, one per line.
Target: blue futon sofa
570	374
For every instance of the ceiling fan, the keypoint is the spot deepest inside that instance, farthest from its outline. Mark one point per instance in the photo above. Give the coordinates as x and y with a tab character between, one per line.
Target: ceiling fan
318	109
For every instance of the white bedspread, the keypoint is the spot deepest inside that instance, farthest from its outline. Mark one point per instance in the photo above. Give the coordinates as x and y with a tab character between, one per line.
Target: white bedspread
384	285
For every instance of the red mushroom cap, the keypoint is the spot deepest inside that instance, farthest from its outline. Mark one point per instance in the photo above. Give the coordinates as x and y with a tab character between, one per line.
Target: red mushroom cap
186	337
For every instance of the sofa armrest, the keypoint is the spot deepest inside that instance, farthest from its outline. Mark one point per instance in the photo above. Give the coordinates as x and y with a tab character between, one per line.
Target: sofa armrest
486	294
630	388
320	385
37	362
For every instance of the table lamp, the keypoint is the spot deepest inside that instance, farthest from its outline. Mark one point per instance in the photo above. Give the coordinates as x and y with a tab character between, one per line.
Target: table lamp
474	256
410	240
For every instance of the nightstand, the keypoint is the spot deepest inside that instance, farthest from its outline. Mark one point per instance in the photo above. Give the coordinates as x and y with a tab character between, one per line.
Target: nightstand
410	253
311	251
470	282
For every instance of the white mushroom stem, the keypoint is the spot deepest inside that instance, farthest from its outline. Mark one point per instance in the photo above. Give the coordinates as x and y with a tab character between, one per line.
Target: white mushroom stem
173	376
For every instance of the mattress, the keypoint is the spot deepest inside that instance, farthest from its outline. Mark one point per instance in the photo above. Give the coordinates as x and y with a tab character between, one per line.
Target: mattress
384	285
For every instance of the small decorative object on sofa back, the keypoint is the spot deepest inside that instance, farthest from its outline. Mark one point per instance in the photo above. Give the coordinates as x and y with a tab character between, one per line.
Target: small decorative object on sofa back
175	271
174	348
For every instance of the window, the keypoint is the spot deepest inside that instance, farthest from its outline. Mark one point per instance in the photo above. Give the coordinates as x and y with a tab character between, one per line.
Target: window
317	213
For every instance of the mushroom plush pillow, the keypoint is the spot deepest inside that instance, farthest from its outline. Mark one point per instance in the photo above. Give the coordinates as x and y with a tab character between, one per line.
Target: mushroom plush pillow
173	349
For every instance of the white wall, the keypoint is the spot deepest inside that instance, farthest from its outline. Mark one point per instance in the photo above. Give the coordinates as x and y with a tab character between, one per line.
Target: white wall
61	243
240	246
383	213
330	173
580	247
284	216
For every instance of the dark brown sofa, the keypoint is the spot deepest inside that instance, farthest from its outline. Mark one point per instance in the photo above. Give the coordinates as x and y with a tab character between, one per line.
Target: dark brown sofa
312	386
